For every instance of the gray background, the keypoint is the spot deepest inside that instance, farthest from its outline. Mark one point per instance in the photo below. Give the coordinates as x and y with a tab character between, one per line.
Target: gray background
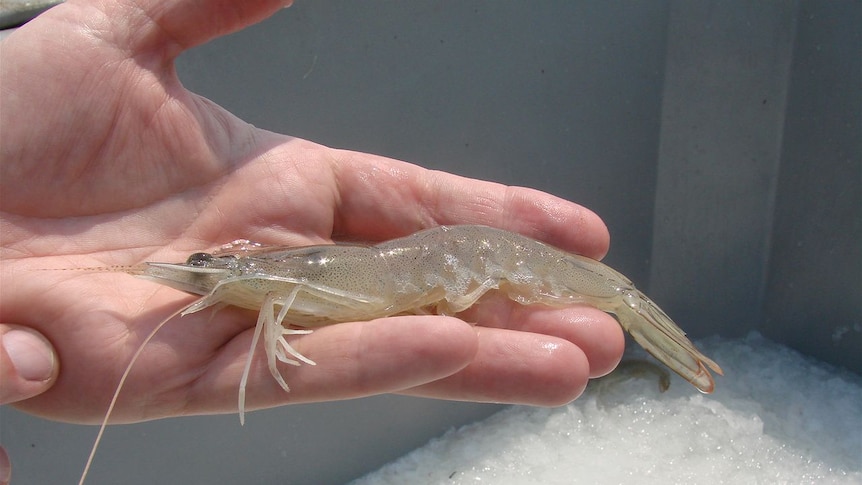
720	141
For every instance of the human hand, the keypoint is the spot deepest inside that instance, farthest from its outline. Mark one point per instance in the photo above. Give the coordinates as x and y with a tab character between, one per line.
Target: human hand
107	160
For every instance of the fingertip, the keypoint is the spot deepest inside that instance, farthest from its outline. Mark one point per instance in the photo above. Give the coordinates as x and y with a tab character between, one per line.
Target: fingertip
458	338
570	370
559	222
28	363
597	334
600	241
605	344
591	235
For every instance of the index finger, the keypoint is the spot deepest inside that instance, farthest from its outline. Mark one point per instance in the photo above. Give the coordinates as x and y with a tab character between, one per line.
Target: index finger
385	198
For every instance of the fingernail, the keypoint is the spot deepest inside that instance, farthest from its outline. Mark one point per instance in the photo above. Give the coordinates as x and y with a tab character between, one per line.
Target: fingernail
30	355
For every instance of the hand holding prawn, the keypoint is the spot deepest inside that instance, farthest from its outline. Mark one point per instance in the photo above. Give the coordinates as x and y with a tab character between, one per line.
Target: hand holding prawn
90	198
106	179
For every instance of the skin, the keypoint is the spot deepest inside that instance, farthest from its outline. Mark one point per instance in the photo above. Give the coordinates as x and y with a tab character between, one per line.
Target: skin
107	160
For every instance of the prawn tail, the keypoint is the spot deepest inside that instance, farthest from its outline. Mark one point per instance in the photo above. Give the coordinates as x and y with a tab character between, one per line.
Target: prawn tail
663	339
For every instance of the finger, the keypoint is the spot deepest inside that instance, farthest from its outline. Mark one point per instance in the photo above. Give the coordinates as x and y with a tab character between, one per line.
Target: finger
381	198
595	332
28	363
516	368
352	360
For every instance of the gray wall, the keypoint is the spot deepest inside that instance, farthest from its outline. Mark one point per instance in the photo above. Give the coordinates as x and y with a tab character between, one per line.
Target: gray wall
814	288
720	141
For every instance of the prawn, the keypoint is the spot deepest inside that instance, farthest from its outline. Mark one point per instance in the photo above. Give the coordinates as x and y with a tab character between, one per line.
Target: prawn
443	270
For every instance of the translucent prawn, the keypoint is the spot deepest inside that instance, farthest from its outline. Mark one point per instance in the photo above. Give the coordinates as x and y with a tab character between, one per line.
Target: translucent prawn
442	270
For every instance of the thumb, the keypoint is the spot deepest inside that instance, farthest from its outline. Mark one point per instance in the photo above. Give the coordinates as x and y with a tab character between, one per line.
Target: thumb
28	363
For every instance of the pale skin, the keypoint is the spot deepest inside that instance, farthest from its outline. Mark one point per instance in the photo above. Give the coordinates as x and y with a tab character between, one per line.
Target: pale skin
105	159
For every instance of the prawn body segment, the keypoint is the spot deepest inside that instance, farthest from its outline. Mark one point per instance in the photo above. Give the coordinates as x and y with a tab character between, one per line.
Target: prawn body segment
441	270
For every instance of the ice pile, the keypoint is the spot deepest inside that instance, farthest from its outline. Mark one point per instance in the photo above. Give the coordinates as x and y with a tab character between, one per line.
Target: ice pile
776	417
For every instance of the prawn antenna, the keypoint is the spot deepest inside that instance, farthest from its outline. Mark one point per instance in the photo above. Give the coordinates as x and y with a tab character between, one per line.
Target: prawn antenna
120	387
135	270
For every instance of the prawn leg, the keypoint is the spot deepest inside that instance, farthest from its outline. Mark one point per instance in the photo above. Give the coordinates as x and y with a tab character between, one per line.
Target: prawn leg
277	347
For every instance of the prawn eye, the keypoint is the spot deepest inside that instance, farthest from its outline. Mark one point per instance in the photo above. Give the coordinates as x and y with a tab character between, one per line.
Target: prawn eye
200	259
